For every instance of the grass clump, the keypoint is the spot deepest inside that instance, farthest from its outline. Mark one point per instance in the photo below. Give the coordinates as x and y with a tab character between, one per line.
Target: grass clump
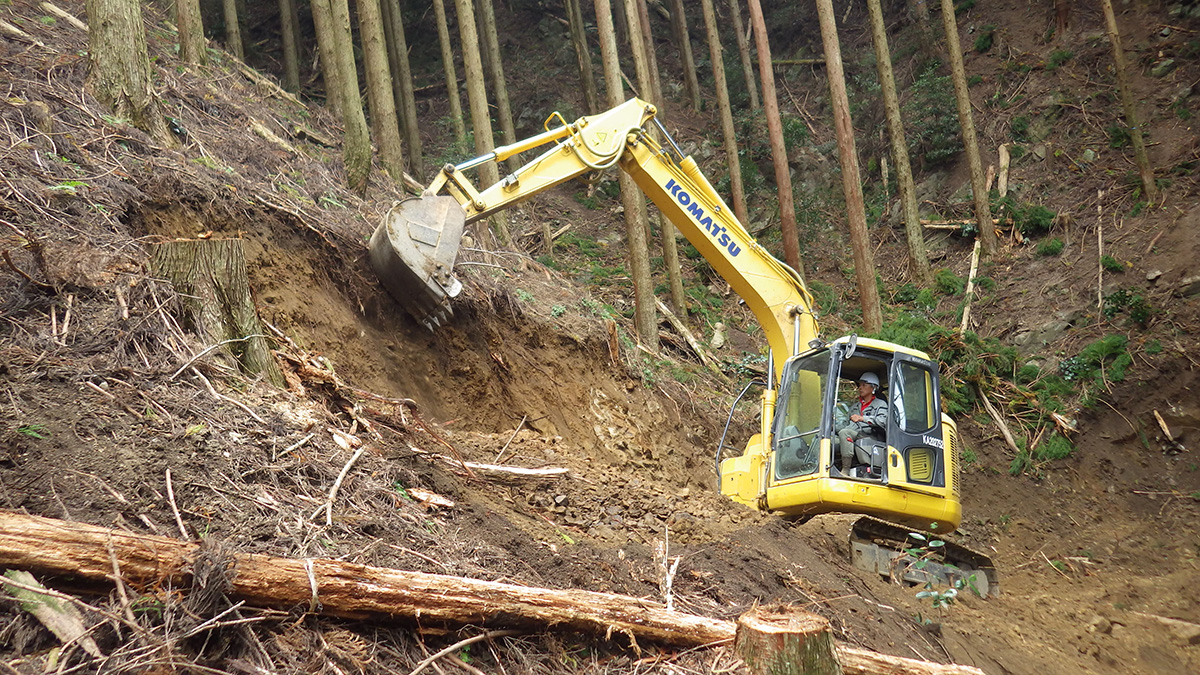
1056	446
1111	264
1122	300
1050	247
948	283
1106	359
1058	57
983	42
1018	128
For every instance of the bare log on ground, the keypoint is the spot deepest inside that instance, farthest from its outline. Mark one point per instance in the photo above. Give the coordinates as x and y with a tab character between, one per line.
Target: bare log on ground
341	589
348	590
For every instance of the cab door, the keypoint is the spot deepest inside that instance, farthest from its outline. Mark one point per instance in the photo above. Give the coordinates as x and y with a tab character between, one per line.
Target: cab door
917	452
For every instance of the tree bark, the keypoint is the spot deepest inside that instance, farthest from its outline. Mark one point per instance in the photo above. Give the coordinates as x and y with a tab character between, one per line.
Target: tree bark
779	640
491	42
354	591
966	119
191	32
119	68
380	94
632	197
356	145
210	277
1129	104
289	30
666	230
402	84
481	117
651	56
583	55
679	27
743	47
327	49
728	132
856	214
918	259
783	175
233	30
456	111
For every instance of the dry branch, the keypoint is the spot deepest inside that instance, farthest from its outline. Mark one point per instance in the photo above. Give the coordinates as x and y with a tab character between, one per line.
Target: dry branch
353	591
1008	437
64	15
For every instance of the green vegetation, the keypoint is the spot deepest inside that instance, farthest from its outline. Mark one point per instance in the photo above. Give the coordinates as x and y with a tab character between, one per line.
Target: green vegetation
1030	219
931	100
37	431
983	42
523	295
1018	128
1056	446
1118	137
1050	247
1105	360
1058	57
948	283
1134	303
1112	264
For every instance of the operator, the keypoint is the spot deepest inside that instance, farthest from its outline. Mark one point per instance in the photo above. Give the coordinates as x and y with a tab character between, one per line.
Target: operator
870	418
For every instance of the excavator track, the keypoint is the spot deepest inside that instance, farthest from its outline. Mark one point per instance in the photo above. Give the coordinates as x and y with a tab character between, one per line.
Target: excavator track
879	546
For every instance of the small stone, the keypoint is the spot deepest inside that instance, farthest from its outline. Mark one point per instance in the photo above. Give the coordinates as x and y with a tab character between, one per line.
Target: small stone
1039	151
1153	275
1189	287
1089	155
1163	68
1099	624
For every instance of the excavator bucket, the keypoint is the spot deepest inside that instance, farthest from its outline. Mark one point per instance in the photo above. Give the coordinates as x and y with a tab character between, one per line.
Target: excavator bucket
413	252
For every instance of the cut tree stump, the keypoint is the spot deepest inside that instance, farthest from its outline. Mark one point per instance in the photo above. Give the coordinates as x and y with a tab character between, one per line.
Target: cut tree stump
783	641
210	277
85	553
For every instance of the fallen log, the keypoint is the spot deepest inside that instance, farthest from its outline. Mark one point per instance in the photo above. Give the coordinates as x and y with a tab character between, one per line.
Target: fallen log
347	590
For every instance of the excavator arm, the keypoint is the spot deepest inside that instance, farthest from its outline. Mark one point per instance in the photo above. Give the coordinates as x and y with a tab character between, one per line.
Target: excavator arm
620	137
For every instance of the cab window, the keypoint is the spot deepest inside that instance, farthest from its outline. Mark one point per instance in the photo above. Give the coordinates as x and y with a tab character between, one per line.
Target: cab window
797	425
913	399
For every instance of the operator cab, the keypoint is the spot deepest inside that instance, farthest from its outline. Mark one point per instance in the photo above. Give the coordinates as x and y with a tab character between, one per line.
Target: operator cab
817	395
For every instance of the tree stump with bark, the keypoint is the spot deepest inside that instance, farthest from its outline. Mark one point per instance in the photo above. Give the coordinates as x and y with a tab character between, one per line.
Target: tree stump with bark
210	277
782	641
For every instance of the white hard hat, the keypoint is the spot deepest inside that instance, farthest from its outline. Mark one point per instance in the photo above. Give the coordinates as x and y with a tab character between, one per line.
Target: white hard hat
870	378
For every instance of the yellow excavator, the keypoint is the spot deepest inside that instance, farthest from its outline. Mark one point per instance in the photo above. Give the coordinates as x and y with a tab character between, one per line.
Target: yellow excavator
904	469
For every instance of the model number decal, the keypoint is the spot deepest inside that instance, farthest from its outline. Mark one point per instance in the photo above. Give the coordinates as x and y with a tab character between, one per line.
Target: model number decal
934	441
717	232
